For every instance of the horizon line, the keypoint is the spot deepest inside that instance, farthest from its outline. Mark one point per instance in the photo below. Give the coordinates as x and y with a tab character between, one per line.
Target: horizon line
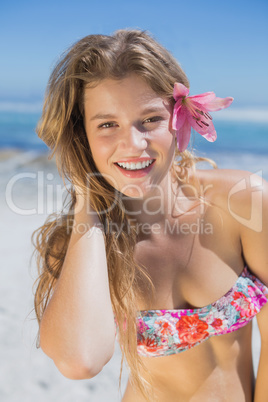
246	113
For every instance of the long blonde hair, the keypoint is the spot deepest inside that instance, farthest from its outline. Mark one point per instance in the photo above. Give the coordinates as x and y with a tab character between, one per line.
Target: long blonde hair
61	127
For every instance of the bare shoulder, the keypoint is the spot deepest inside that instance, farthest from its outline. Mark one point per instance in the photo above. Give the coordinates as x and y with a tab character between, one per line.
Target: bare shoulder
244	197
231	188
228	175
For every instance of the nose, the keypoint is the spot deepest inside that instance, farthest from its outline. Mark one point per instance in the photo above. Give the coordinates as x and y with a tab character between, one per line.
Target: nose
134	141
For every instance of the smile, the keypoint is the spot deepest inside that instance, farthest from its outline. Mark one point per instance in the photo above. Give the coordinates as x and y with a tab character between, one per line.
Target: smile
135	166
135	170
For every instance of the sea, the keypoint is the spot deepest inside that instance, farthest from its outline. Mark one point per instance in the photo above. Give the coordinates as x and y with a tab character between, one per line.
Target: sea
242	138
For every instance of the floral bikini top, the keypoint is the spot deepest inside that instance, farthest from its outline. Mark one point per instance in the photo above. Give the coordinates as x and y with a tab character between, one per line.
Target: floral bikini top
166	332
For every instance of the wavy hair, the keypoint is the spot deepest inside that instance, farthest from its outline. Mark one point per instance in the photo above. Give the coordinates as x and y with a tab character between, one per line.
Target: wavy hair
61	127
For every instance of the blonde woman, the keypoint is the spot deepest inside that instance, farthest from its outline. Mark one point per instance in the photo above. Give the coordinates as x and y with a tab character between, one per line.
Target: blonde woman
152	249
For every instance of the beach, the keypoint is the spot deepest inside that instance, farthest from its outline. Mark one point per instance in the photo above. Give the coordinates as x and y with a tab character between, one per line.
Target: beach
221	48
27	374
29	185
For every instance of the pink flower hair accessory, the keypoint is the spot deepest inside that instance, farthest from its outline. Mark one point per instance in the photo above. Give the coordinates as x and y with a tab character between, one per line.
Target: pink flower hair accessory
192	111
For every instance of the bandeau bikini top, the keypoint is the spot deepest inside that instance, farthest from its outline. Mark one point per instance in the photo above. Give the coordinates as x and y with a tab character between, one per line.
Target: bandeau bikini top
166	332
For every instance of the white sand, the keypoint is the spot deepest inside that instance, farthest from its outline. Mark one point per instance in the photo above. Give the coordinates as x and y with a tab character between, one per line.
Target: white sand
27	374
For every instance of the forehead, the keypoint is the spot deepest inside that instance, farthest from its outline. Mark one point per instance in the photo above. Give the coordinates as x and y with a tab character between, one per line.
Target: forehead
131	91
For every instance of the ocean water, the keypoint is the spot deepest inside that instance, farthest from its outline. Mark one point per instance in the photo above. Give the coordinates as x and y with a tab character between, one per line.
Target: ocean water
241	143
17	130
236	136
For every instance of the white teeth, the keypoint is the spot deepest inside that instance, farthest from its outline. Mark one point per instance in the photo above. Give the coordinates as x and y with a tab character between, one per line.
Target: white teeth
135	166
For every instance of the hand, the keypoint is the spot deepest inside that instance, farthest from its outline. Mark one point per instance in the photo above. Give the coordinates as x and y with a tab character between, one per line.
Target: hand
83	210
81	197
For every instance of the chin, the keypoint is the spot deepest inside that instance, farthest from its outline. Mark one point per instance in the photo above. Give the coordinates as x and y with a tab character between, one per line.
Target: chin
133	193
138	192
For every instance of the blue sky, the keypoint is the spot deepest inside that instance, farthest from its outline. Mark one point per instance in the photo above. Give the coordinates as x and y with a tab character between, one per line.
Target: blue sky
221	45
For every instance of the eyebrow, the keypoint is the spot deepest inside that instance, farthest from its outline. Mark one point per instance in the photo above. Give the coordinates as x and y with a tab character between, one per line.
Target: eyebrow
100	116
104	116
154	109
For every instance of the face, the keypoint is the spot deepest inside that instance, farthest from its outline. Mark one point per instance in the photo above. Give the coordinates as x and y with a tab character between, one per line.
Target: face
128	127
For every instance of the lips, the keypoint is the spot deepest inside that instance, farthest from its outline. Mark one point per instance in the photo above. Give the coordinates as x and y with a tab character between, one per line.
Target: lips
141	164
135	168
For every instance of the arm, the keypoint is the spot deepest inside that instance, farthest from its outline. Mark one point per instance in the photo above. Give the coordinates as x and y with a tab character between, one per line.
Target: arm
255	251
261	388
77	329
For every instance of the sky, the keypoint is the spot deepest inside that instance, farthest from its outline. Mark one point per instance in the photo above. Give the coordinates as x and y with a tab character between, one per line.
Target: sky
221	45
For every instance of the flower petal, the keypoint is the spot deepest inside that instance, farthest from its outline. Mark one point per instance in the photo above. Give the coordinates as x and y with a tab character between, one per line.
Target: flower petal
183	135
179	91
179	116
193	111
203	98
218	104
200	123
199	127
212	135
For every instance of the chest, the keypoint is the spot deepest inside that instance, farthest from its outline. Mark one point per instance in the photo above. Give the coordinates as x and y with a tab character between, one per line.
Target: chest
190	266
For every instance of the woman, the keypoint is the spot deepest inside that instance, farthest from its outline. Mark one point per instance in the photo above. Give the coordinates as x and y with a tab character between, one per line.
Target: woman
165	253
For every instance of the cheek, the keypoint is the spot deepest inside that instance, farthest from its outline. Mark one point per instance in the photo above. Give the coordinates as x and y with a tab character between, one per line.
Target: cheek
167	143
168	149
101	151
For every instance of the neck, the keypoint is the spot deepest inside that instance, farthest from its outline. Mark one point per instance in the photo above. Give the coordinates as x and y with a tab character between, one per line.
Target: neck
156	206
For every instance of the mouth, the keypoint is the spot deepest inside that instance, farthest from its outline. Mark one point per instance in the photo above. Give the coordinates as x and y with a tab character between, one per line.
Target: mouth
132	166
135	170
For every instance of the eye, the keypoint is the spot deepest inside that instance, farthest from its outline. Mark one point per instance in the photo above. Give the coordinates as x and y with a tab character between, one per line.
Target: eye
153	119
108	124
